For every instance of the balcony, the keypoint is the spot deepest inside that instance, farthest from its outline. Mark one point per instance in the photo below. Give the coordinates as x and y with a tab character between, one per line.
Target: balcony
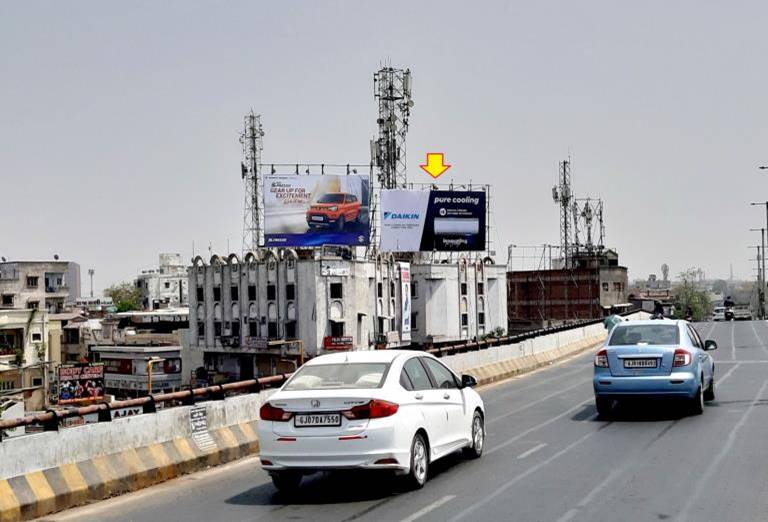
61	289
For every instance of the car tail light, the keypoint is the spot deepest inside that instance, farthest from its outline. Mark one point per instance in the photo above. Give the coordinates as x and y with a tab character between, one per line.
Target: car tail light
682	358
601	359
375	409
271	413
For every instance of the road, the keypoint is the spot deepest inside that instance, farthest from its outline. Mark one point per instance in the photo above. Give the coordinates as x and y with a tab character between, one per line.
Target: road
548	458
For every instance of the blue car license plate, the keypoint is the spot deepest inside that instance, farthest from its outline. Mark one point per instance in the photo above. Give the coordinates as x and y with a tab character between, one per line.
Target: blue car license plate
641	363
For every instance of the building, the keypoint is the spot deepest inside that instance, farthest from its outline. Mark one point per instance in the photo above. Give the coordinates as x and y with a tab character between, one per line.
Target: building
259	315
458	301
165	287
44	285
29	346
589	289
126	369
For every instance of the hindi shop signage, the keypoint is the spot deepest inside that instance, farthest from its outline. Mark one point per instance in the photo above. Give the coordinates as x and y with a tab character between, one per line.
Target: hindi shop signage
341	342
81	383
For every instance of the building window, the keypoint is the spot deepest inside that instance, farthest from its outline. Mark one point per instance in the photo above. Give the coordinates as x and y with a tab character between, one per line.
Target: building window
201	329
414	319
392	325
617	287
217	328
605	287
234	293
290	330
464	319
414	290
271	292
37	337
379	290
216	294
290	292
272	330
381	325
337	329
32	281
391	288
336	291
253	328
37	381
200	295
236	329
6	385
481	318
463	288
7	299
33	305
167	284
251	292
480	288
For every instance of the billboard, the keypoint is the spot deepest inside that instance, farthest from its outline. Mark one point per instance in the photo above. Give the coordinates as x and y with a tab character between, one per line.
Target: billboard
405	301
427	220
316	210
81	383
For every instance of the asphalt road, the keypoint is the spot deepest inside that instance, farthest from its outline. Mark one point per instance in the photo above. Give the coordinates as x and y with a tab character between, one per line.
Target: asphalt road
547	458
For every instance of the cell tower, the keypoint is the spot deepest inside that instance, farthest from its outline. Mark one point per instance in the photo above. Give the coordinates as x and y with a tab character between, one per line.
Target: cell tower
250	169
562	194
392	90
588	217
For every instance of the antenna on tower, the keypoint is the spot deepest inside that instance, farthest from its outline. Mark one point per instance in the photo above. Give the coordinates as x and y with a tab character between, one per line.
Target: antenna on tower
392	89
250	170
562	194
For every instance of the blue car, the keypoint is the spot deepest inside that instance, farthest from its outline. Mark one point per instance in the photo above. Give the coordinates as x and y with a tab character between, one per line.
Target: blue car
655	358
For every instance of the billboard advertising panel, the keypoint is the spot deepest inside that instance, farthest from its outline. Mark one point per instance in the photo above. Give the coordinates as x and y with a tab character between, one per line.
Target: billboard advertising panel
441	220
316	210
405	301
81	383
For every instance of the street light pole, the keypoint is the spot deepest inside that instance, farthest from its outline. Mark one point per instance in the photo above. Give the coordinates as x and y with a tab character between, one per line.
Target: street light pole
150	362
764	203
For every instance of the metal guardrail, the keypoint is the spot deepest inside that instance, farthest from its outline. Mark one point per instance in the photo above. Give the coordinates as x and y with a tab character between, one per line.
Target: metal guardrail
50	419
471	346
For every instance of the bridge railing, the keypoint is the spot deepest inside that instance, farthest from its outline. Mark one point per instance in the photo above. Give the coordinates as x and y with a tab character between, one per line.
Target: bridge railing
50	419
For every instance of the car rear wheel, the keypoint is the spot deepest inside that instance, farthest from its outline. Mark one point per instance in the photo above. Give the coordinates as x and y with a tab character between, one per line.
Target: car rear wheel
709	393
697	402
417	476
604	406
286	481
475	450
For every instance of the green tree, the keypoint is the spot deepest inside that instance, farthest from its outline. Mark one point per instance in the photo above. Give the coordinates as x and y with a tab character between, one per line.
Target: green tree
125	295
689	294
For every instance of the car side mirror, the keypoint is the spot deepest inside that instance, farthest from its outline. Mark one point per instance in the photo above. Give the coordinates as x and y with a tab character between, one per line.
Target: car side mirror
709	344
467	381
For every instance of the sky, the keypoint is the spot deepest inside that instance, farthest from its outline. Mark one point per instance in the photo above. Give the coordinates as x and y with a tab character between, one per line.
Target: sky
119	122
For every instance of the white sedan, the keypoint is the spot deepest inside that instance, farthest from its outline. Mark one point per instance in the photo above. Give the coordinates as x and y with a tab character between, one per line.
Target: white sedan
388	409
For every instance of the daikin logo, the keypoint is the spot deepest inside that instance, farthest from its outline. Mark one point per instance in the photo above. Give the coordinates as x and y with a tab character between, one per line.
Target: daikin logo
397	215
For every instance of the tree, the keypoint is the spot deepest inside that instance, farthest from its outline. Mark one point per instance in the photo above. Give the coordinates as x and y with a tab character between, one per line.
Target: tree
125	295
690	295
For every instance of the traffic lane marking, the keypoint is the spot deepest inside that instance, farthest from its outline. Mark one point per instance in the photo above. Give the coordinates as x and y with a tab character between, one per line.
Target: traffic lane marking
531	451
545	398
428	508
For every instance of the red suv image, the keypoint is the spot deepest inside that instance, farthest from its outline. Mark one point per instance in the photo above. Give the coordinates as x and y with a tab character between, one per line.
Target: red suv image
334	209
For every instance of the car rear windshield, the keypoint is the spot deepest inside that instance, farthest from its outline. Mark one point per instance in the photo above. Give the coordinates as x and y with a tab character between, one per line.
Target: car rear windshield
645	334
331	198
338	376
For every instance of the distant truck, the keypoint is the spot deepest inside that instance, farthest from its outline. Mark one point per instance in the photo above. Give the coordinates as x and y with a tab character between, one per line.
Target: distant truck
742	312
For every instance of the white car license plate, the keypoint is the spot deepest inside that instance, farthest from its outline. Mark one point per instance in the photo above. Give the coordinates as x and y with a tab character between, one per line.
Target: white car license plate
317	419
640	363
317	218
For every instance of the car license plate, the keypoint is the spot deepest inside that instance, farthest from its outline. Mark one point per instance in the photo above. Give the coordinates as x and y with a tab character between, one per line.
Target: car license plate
309	420
317	218
640	363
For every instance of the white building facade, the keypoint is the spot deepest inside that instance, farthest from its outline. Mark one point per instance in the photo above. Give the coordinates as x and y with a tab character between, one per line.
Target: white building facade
43	285
165	287
247	316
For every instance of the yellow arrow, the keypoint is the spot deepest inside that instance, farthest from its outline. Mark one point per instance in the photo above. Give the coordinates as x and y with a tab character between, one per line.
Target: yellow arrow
435	165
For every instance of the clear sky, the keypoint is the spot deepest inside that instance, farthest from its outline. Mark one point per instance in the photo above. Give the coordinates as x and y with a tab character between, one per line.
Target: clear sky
119	122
